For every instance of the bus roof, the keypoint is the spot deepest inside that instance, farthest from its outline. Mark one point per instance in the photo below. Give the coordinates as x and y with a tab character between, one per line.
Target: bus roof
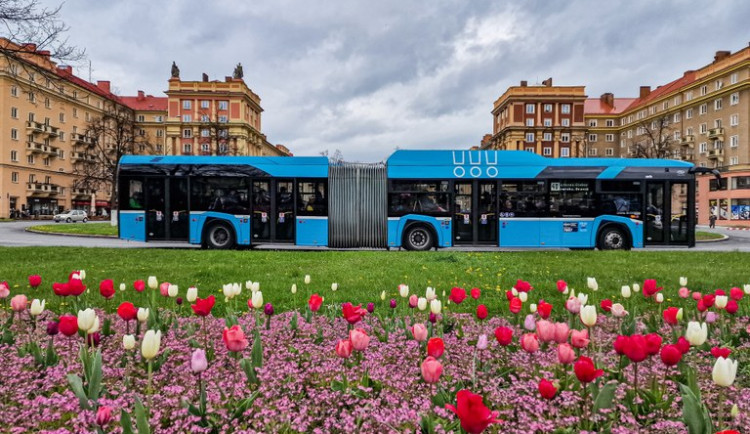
314	167
521	164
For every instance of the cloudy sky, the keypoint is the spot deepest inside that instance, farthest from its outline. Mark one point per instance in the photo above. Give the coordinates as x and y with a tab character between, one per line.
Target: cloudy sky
368	77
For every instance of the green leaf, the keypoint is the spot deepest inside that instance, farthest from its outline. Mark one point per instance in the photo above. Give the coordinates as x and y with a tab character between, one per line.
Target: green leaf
51	358
141	417
95	378
127	425
76	384
107	327
692	412
257	350
605	396
243	405
293	322
249	370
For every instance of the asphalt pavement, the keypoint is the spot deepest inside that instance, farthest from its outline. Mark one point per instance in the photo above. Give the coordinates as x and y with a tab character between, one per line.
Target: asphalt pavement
13	234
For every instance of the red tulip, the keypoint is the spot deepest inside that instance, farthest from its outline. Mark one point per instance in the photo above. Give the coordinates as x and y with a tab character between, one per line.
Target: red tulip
586	371
203	306
670	315
68	325
671	355
475	293
636	349
719	292
315	302
107	288
435	347
561	285
736	294
344	348
139	285
35	280
352	314
683	345
701	306
606	305
60	289
544	309
515	305
728	431
720	352
127	311
708	300
504	335
522	286
649	287
732	307
76	287
481	311
431	370
621	342
547	389
234	338
475	417
457	295
653	343
509	295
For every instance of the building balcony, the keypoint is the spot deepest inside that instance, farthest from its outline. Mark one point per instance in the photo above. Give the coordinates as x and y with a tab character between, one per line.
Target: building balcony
82	140
35	127
716	134
51	131
77	157
34	148
82	193
688	141
52	189
687	156
36	189
716	154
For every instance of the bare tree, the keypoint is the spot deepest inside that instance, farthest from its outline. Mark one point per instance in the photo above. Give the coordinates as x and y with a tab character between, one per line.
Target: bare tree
214	131
653	139
28	22
106	140
336	158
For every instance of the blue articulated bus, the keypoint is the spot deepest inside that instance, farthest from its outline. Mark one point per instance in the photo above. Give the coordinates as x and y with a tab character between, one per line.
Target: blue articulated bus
417	200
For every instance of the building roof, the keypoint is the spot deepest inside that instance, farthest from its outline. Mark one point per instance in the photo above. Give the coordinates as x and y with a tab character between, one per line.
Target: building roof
66	72
666	89
595	106
143	102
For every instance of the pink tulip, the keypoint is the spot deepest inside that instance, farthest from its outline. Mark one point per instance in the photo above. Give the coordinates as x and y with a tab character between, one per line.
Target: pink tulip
431	370
344	348
529	323
103	415
413	300
19	302
359	339
545	330
164	289
579	338
529	343
234	338
419	331
565	354
573	305
684	292
561	332
710	316
697	296
4	290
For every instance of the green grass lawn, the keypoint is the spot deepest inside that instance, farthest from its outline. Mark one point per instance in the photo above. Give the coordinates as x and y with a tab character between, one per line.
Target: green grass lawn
363	275
704	236
105	229
4	220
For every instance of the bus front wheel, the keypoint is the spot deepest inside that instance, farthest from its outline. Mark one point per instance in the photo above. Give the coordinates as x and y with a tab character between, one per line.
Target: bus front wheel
418	238
219	236
613	238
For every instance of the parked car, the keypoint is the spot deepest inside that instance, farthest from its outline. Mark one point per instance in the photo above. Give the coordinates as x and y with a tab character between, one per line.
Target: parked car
70	216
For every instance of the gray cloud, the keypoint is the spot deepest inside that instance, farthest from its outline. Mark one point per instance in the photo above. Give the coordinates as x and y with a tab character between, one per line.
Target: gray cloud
366	78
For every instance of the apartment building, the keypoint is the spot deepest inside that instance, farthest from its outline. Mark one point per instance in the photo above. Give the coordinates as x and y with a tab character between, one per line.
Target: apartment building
150	114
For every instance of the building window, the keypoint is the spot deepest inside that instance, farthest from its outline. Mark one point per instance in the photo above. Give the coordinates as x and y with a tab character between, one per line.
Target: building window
733	78
719	84
547	151
62	118
205	133
141	132
688	95
32	178
676	135
14	156
703	109
61	153
187	104
14	177
592	137
689	131
565	122
204	104
565	137
47	103
547	122
734	98
159	133
548	108
141	118
187	133
565	108
187	148
75	112
14	134
530	122
565	152
205	148
609	152
677	117
734	120
530	108
62	136
717	123
187	118
223	119
88	117
689	113
223	105
592	152
665	105
703	147
205	118
30	159
158	118
159	149
704	90
717	104
651	110
734	141
547	137
14	112
32	97
734	160
14	91
592	122
610	122
677	100
45	161
703	128
609	137
529	137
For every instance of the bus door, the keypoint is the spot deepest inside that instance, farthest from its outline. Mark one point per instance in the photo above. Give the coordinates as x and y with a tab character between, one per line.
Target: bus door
463	215
668	218
655	211
273	210
284	210
261	220
475	212
166	208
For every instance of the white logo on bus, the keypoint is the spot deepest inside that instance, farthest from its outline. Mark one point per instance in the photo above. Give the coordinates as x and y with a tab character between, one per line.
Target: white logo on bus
475	162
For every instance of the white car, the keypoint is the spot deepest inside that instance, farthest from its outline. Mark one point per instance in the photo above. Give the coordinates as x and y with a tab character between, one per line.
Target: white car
70	216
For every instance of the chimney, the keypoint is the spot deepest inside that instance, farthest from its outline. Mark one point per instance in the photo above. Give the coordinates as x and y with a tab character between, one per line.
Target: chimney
65	69
608	98
44	53
103	85
29	47
645	91
141	96
721	55
548	82
205	77
524	83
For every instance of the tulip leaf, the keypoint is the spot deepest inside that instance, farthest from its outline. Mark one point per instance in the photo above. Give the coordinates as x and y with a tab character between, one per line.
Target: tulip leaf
244	405
107	327
77	386
127	425
293	322
8	337
141	417
249	370
95	377
257	350
51	358
604	397
693	412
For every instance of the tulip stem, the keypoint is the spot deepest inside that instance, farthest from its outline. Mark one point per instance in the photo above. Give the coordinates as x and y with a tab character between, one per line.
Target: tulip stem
205	335
150	378
635	398
721	409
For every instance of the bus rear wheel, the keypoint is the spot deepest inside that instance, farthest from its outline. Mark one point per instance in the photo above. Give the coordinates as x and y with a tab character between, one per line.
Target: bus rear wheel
418	238
613	238
219	236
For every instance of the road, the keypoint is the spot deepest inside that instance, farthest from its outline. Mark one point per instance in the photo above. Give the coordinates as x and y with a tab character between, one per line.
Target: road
13	234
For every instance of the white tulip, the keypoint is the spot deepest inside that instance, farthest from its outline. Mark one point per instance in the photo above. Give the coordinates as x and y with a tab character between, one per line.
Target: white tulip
679	315
237	289
532	307
122	287
227	290
721	301
382	296
583	298
334	286
94	327
86	319
429	293
591	282
173	290
256	286
746	287
192	294
734	412
75	276
588	315
403	290
422	303
151	343
567	290
683	281
294	288
248	284
696	333
660	297
143	314
257	300
152	282
572	293
37	307
82	274
128	342
625	291
725	370
436	306
307	279
636	287
523	296
514	291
